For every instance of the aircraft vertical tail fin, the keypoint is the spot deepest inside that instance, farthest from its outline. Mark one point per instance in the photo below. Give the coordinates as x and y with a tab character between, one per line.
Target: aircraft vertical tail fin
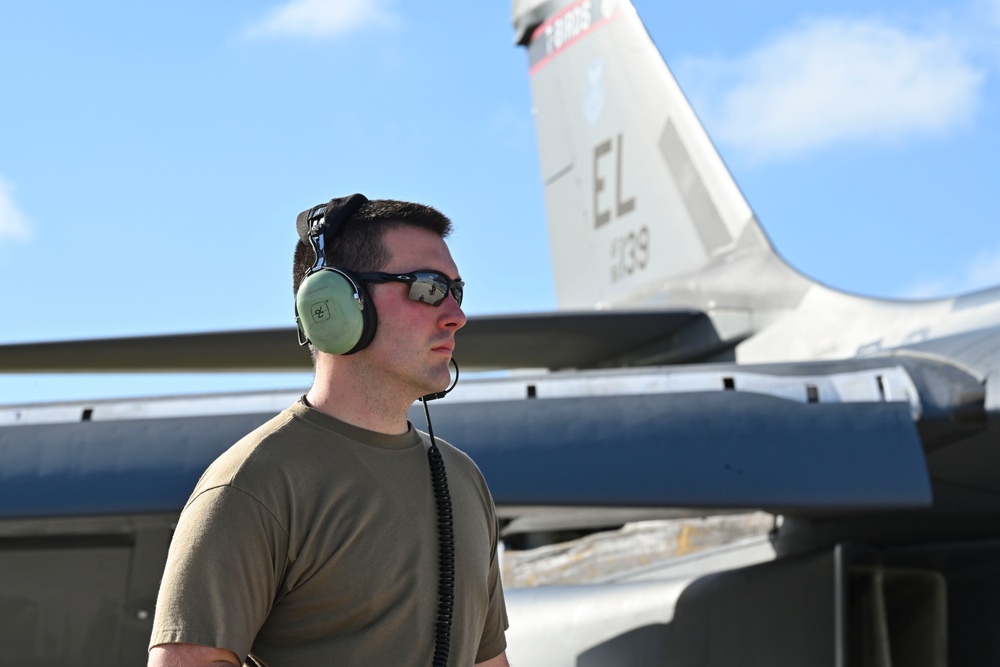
642	210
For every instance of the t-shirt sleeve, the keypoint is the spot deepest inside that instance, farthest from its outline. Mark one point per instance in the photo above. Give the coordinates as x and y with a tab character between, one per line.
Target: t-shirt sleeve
226	560
494	641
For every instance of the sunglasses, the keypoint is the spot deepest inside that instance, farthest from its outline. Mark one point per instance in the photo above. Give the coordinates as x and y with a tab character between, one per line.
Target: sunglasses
429	287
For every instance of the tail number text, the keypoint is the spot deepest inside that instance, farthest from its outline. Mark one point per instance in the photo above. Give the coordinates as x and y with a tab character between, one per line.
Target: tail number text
629	253
622	206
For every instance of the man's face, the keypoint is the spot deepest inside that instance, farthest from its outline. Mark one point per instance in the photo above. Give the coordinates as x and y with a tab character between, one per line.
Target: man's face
414	343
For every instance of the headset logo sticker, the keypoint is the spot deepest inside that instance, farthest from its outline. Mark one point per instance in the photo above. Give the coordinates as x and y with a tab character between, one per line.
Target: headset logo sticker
320	311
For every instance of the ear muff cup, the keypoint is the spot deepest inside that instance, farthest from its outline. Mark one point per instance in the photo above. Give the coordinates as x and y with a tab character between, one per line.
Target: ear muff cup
335	311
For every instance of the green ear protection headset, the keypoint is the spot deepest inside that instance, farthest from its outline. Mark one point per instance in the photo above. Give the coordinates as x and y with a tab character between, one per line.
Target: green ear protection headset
333	309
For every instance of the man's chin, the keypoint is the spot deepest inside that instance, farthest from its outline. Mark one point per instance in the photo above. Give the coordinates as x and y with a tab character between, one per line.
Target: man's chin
440	382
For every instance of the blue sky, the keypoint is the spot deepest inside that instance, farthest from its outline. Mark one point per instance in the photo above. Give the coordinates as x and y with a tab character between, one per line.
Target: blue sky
153	156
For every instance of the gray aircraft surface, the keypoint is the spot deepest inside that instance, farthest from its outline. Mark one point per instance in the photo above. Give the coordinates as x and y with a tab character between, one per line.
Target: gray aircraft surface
689	369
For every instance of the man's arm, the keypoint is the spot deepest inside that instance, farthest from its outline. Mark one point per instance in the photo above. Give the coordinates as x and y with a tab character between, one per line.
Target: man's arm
196	655
499	661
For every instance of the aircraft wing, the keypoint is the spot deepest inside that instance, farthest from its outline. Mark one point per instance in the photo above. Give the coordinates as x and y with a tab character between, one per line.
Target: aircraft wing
713	450
706	450
800	439
535	340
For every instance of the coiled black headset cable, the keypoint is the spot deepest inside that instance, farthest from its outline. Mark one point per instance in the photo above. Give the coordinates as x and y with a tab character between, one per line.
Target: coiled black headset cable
446	538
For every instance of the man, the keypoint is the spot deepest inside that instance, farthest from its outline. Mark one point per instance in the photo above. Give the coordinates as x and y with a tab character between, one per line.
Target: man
314	540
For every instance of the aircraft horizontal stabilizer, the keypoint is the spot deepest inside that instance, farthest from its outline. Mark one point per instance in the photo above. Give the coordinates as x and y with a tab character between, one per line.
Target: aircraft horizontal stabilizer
587	339
537	340
221	351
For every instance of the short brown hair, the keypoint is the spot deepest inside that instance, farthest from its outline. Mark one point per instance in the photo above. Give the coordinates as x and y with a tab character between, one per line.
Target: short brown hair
358	247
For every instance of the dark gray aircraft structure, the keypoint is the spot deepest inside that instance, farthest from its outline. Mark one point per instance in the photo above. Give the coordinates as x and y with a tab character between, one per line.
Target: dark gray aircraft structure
689	368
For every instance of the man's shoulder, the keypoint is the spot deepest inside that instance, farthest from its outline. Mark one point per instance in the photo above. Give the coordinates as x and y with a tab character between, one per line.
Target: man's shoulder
260	449
452	455
459	464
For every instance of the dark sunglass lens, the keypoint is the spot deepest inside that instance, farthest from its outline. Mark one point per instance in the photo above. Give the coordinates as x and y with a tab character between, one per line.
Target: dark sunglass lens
457	291
429	287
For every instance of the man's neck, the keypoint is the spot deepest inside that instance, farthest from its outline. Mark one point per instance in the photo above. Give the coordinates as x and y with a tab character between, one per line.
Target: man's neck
360	403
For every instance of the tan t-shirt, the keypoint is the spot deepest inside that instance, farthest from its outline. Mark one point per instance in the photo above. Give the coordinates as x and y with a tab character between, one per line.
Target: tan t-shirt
314	542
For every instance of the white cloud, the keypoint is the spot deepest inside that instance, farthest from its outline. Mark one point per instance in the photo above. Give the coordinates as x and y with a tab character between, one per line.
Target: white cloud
322	18
13	223
836	80
985	271
982	272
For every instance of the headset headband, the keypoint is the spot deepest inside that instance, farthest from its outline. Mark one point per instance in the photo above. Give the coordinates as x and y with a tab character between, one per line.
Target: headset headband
319	225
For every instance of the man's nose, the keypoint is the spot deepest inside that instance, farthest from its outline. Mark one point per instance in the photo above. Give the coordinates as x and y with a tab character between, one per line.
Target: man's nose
453	315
